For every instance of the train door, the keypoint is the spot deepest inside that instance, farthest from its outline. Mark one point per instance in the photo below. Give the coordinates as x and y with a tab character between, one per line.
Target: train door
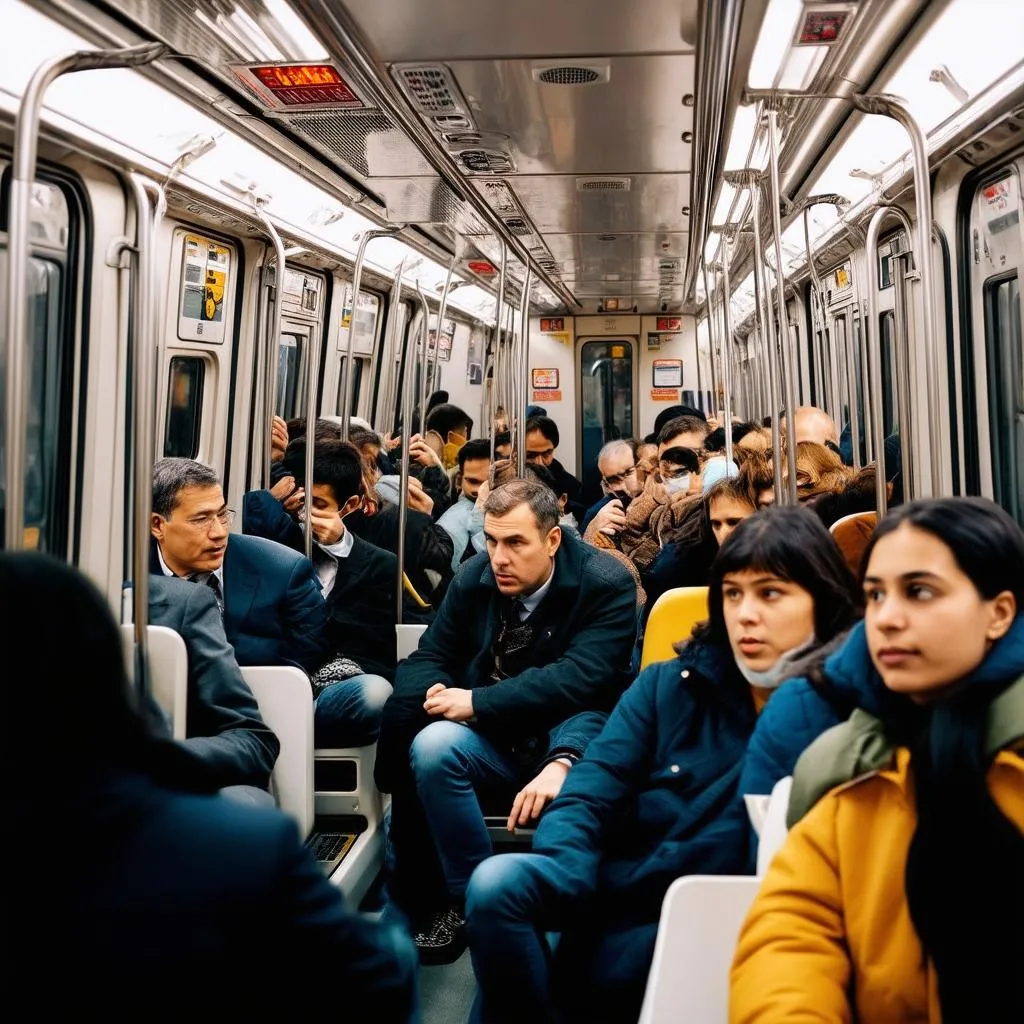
301	320
997	234
607	408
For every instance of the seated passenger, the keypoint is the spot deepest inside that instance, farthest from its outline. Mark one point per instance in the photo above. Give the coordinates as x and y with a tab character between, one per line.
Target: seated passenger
530	638
541	444
813	424
269	596
655	796
616	462
358	582
168	886
464	521
898	892
566	521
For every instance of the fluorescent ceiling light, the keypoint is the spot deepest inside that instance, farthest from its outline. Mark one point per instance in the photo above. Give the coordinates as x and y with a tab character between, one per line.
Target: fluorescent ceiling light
773	42
306	45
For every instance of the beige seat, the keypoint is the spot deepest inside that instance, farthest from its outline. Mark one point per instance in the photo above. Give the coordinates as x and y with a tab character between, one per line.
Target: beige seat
168	671
285	699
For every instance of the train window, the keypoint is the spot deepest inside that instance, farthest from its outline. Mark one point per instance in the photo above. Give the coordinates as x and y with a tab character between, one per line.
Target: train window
290	353
365	322
606	411
1006	391
184	406
358	366
890	410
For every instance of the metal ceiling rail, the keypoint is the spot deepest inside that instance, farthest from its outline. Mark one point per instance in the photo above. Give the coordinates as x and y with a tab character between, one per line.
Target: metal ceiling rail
342	37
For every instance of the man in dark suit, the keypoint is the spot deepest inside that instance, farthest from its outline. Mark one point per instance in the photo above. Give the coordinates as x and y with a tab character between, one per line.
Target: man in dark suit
509	684
269	596
359	582
223	724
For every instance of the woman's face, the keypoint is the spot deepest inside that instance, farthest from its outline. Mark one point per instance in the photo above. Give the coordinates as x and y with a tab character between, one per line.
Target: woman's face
766	617
927	625
725	515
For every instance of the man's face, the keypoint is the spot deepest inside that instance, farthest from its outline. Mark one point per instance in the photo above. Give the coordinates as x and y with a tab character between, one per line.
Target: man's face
539	450
474	476
692	440
618	473
195	536
520	554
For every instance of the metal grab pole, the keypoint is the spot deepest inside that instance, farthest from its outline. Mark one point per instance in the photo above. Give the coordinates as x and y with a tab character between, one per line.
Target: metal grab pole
892	106
424	364
861	342
23	164
384	349
272	342
357	280
726	348
780	289
311	420
496	344
441	311
712	362
409	353
901	346
518	420
875	350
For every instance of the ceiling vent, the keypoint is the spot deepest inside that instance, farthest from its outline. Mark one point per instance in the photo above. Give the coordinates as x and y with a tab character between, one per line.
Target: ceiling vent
500	197
452	122
485	161
603	184
571	73
431	89
518	226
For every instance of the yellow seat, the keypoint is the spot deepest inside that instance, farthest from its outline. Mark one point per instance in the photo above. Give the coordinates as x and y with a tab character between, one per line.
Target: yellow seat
672	618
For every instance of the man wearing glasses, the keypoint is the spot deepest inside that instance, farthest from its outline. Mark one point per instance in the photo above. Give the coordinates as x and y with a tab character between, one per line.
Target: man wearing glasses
616	463
269	596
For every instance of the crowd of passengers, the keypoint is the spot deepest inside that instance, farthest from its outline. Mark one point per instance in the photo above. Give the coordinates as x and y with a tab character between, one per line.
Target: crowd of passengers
879	664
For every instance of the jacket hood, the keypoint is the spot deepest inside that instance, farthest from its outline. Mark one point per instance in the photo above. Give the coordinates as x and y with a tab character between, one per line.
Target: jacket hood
852	672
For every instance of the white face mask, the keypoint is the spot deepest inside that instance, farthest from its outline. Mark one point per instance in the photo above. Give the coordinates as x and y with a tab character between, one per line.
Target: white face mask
770	678
677	485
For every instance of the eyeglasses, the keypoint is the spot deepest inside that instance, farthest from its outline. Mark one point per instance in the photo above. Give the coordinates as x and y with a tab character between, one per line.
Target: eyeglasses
205	522
615	479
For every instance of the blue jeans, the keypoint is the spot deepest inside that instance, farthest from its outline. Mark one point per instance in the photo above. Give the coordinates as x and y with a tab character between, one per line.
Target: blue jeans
347	713
448	761
598	971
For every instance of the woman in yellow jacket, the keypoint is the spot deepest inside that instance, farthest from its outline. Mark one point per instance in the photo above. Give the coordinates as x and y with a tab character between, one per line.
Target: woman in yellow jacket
899	897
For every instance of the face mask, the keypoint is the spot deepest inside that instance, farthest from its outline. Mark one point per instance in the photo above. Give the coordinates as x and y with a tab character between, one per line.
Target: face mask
770	678
450	453
678	484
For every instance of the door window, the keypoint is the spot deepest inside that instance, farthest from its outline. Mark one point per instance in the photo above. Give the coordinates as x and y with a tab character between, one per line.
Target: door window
606	407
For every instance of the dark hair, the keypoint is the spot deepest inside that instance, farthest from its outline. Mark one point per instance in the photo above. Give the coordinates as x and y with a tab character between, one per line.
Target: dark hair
547	427
91	721
479	448
361	437
543	475
961	831
791	543
436	399
673	412
447	418
505	437
682	425
171	476
336	464
715	441
679	456
542	500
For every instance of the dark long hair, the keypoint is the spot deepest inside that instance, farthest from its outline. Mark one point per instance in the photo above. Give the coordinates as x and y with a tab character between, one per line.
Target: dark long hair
791	543
73	713
964	877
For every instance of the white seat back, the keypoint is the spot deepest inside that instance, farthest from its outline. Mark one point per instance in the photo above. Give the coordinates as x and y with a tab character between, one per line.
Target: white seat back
286	705
408	639
168	671
773	834
700	922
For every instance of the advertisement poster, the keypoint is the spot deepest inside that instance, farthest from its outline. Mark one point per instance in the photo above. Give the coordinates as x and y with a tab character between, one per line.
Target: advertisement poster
204	282
444	354
545	378
668	373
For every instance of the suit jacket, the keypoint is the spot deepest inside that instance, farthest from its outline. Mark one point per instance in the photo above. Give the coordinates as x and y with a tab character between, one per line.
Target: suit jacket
585	626
174	888
223	723
361	611
273	610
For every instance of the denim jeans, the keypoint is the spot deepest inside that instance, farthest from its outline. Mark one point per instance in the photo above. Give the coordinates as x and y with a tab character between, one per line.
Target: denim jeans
347	713
597	972
448	760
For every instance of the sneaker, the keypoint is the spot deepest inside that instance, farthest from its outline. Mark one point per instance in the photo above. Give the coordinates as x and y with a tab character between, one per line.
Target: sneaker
443	939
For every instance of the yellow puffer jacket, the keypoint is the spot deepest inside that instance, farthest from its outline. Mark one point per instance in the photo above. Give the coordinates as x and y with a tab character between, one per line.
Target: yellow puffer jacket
830	925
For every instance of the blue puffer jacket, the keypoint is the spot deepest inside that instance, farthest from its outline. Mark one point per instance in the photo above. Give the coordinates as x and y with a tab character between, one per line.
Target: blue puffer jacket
656	795
800	711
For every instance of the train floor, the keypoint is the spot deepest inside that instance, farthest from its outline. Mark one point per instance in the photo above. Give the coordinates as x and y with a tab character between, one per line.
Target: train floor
447	993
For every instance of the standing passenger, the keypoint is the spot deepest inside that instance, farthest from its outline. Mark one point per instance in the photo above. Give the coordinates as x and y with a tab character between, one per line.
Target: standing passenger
898	894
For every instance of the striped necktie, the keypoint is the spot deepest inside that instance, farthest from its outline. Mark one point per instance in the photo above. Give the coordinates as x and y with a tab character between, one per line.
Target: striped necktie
210	580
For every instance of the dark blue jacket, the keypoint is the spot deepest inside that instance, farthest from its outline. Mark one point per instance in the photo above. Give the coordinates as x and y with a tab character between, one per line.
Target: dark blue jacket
801	711
655	797
585	626
186	898
274	611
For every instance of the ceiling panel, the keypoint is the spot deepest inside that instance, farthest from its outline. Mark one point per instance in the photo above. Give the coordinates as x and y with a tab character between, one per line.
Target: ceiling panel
630	123
453	29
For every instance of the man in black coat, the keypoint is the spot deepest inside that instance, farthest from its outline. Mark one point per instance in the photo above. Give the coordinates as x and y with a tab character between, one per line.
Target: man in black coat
529	650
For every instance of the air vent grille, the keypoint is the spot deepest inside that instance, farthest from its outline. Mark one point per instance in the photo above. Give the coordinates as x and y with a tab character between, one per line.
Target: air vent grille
499	197
517	226
603	184
571	74
431	88
485	161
